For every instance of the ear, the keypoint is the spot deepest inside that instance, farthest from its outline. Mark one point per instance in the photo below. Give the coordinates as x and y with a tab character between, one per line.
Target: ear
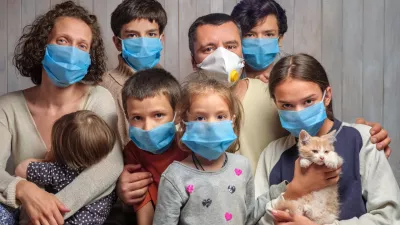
330	137
194	64
304	137
117	43
328	96
233	121
280	40
162	38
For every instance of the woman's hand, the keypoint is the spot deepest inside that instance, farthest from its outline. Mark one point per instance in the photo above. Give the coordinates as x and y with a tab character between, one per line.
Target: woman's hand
284	218
379	136
132	185
313	178
42	208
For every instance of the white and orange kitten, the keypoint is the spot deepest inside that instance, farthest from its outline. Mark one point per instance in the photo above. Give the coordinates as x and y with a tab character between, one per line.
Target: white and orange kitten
321	206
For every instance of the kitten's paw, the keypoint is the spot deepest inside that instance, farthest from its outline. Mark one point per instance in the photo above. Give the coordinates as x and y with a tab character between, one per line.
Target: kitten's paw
331	164
305	163
340	161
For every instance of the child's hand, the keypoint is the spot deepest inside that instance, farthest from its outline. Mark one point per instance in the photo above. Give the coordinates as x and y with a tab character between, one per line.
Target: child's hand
21	169
310	179
284	218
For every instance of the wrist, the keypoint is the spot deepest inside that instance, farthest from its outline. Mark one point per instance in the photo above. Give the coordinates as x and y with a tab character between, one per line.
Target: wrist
292	192
21	187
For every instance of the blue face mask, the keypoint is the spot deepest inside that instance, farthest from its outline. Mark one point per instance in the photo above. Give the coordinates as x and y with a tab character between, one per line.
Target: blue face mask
141	53
209	140
156	140
309	119
65	65
259	53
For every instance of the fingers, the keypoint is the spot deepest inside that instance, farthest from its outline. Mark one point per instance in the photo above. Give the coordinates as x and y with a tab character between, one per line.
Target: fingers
53	221
388	151
43	221
360	121
131	168
333	174
134	196
61	207
281	216
127	177
375	127
384	144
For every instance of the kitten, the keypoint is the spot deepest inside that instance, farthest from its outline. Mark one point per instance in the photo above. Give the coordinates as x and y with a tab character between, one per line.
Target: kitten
321	206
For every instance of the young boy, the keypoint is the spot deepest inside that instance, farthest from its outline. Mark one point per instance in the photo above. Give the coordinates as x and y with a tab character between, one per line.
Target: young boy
138	27
149	100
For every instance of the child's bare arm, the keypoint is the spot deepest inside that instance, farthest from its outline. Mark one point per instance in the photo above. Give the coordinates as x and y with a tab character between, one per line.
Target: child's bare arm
20	170
145	214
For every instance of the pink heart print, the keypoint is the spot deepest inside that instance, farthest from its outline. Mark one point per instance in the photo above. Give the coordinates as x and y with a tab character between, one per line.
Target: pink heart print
238	171
228	216
190	188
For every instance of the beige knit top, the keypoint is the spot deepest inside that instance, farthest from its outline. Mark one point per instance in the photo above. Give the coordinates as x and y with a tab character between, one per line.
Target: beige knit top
19	140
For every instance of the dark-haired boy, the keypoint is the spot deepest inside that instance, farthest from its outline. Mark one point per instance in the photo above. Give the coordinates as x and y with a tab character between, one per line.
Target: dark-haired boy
138	27
150	99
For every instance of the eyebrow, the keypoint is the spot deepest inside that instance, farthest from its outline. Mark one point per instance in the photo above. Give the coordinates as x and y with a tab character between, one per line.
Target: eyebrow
131	31
207	44
312	95
231	42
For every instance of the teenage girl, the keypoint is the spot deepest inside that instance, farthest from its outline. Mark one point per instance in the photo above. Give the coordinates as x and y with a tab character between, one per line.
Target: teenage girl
212	185
368	191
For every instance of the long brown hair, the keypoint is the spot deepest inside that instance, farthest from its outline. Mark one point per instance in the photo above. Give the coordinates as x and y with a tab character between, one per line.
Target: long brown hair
81	139
202	86
302	67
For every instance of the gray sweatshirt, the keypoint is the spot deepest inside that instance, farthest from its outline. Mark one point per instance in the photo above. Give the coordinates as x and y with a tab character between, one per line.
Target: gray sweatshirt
190	196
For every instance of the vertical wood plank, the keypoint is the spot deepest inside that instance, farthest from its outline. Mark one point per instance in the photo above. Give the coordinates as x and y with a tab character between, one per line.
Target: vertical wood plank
186	18
307	27
391	110
217	6
288	40
88	4
228	6
103	10
3	47
203	7
14	32
171	42
332	29
373	46
352	60
42	6
162	59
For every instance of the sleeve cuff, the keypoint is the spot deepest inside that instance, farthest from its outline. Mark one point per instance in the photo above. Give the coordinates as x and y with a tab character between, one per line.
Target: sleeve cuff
276	190
10	193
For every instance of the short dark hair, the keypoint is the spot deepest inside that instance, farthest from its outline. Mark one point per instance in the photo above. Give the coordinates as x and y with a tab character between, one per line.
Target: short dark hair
130	10
149	83
81	139
249	12
215	19
31	47
301	67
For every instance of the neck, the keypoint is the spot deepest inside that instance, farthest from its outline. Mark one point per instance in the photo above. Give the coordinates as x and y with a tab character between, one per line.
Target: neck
326	127
211	165
250	73
50	95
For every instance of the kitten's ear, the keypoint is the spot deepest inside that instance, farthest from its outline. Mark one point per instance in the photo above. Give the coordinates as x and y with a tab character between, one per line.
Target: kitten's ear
304	137
331	137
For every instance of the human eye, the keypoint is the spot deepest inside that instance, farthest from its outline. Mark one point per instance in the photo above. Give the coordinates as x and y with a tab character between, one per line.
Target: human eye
221	117
287	106
249	35
152	34
200	118
136	118
208	49
62	41
132	35
231	47
83	47
159	115
308	102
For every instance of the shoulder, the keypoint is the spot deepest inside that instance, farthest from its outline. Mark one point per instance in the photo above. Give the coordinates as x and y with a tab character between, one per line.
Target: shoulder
100	101
358	130
280	145
8	100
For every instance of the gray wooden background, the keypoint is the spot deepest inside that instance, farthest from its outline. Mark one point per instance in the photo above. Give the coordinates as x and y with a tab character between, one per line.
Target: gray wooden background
358	42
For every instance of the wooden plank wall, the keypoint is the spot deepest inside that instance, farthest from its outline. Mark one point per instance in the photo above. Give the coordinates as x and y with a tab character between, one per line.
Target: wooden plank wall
357	42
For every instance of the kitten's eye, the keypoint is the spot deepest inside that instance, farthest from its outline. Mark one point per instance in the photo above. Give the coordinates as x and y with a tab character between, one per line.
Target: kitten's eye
326	152
315	151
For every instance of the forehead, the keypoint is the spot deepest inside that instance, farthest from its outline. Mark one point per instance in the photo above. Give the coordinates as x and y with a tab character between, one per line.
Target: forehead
72	27
215	34
294	89
269	22
140	25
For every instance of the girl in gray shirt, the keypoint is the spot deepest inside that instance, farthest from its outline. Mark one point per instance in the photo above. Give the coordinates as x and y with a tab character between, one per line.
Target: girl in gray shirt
212	185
